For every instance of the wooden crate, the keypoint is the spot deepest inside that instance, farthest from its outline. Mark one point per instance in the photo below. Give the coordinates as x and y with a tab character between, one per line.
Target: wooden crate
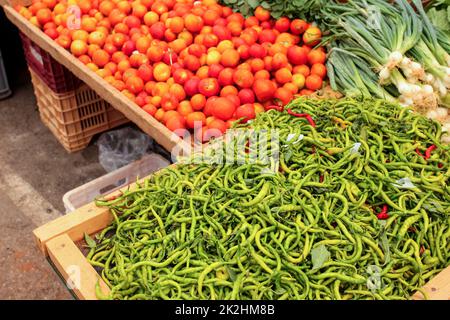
74	117
133	112
56	240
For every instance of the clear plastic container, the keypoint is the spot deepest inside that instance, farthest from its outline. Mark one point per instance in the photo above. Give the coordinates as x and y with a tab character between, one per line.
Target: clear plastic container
113	181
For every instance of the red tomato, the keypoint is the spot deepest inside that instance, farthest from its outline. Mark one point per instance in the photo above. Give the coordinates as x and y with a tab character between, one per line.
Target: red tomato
234	98
313	82
306	92
246	111
219	125
157	30
207	110
180	76
298	26
208	87
169	102
192	63
283	24
319	69
214	70
191	86
244	51
52	33
267	35
128	47
243	78
222	32
312	36
150	109
283	95
195	119
257	51
145	72
223	108
264	89
176	124
226	77
317	56
246	96
297	55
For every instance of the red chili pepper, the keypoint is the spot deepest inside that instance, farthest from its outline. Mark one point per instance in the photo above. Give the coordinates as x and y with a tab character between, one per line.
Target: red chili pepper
419	153
440	165
321	178
275	107
247	147
311	121
429	150
383	215
422	250
303	115
313	149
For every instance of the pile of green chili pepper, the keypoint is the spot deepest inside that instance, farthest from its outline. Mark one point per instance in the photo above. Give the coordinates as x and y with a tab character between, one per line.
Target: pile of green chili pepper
354	210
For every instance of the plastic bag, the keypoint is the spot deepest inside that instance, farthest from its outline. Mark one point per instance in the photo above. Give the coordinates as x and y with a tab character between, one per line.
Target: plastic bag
120	147
404	183
291	136
355	148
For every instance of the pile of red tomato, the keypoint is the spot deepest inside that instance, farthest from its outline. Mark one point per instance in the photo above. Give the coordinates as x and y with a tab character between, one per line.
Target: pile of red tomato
188	63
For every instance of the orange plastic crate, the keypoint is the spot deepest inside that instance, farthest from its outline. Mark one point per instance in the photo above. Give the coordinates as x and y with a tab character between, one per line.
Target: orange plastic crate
76	116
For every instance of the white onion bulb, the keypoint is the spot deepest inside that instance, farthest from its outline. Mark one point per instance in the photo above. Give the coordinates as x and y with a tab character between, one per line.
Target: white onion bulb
404	88
427	89
395	57
442	112
384	74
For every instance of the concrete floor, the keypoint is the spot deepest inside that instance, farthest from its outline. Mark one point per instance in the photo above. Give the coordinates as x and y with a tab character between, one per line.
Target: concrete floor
35	173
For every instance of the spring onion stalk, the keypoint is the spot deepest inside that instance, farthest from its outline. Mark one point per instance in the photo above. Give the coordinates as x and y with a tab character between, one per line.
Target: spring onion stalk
389	50
355	76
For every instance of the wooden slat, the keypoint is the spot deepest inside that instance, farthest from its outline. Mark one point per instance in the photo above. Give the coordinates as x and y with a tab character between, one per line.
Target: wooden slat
16	2
132	111
438	288
71	264
88	219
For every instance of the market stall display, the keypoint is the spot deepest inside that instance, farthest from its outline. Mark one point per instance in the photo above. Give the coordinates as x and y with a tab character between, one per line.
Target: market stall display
186	62
129	109
361	187
350	202
388	49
